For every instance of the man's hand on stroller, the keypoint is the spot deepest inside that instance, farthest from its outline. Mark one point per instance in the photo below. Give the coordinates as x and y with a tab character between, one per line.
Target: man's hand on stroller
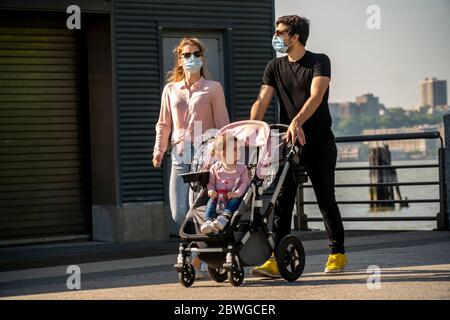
212	194
294	132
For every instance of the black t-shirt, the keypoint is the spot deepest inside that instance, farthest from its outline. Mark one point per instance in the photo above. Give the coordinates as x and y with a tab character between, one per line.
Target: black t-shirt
292	81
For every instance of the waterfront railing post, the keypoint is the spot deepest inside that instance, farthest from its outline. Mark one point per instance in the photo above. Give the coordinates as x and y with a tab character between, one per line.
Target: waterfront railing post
446	164
442	217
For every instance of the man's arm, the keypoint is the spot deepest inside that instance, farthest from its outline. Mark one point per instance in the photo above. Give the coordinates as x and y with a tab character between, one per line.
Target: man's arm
262	102
319	86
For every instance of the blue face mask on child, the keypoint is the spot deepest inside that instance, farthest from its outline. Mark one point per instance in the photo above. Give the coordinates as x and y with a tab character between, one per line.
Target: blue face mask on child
193	64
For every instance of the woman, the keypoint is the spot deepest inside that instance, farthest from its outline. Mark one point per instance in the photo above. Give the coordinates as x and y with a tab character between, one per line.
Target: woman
187	98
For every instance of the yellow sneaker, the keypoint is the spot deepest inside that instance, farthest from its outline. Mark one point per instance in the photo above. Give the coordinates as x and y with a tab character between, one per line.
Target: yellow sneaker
336	263
268	269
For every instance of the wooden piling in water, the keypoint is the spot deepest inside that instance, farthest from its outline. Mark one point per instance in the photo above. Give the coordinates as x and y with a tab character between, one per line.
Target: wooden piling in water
381	156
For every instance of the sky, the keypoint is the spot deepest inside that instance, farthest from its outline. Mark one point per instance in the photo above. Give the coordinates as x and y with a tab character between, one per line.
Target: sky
412	44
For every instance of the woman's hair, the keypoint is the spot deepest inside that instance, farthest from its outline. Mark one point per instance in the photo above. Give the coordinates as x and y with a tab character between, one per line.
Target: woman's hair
177	72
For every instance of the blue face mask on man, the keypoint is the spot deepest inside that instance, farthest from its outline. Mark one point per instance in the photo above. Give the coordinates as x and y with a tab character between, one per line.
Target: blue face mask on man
278	44
192	64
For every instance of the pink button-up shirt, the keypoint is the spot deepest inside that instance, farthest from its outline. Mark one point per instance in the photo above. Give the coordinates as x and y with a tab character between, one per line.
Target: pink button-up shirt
181	107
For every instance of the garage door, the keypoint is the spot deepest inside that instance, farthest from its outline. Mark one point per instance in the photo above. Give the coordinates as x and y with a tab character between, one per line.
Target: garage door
44	132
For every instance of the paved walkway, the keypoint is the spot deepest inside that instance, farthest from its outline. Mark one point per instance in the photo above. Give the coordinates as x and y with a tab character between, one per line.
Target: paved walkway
414	265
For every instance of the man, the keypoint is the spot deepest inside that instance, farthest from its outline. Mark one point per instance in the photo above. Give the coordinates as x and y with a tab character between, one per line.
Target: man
301	80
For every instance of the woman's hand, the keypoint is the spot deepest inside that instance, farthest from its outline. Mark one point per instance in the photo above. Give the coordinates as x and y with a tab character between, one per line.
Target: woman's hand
157	159
295	132
212	194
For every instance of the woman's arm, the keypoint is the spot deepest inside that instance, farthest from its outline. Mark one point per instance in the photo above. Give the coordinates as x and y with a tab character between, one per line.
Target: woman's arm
219	107
163	128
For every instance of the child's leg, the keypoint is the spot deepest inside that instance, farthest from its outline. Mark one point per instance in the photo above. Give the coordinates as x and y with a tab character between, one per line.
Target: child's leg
208	227
210	212
231	206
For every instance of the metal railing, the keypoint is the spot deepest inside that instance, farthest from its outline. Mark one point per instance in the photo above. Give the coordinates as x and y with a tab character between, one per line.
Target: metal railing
301	219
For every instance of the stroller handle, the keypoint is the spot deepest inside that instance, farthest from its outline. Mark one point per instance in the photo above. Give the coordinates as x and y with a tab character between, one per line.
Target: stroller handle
280	126
293	148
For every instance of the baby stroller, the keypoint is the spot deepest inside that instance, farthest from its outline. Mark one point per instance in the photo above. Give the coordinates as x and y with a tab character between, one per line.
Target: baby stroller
247	240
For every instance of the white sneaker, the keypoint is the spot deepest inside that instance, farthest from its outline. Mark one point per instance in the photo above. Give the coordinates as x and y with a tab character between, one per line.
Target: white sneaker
220	223
207	227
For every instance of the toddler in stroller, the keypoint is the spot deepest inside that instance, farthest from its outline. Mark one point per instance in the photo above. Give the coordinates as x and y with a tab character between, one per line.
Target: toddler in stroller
228	181
247	239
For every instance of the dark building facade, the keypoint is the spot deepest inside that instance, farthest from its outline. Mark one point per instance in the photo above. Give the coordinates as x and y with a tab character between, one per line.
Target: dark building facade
78	108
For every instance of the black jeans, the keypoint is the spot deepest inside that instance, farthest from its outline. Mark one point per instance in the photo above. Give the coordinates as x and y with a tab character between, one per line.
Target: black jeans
320	163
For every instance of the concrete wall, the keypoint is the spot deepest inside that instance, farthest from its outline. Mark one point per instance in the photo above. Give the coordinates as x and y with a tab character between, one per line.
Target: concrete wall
131	222
447	157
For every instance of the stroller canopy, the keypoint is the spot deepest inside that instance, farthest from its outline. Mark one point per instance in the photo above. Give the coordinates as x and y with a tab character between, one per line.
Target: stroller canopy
250	132
262	144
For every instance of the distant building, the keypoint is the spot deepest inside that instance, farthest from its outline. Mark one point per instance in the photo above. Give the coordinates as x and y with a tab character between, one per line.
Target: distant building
334	110
434	110
423	147
348	109
369	104
433	92
348	151
366	104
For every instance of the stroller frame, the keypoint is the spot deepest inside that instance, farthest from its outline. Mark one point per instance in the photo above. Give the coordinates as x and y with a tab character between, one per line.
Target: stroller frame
228	261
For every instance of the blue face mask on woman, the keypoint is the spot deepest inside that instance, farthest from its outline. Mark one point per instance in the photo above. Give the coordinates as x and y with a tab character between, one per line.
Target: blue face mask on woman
192	64
278	44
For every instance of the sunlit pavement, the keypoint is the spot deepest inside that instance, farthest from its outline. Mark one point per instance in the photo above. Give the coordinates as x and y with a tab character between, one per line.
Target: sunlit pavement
414	265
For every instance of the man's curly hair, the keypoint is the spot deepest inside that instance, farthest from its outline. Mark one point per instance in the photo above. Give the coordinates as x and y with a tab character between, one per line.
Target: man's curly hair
296	25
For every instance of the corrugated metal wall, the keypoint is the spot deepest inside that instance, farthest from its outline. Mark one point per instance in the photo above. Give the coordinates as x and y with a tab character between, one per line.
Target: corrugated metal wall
44	133
138	73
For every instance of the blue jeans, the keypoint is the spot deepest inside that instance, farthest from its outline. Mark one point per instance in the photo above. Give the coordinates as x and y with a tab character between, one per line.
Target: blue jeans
181	196
230	207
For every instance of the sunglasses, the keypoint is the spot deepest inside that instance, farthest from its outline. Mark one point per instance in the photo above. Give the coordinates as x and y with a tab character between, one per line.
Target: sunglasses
187	55
281	32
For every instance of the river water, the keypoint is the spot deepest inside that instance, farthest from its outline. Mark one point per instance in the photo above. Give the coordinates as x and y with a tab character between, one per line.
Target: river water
362	193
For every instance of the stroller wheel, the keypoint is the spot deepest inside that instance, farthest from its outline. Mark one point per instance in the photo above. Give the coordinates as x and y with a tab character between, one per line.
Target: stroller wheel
290	258
218	275
187	275
236	274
